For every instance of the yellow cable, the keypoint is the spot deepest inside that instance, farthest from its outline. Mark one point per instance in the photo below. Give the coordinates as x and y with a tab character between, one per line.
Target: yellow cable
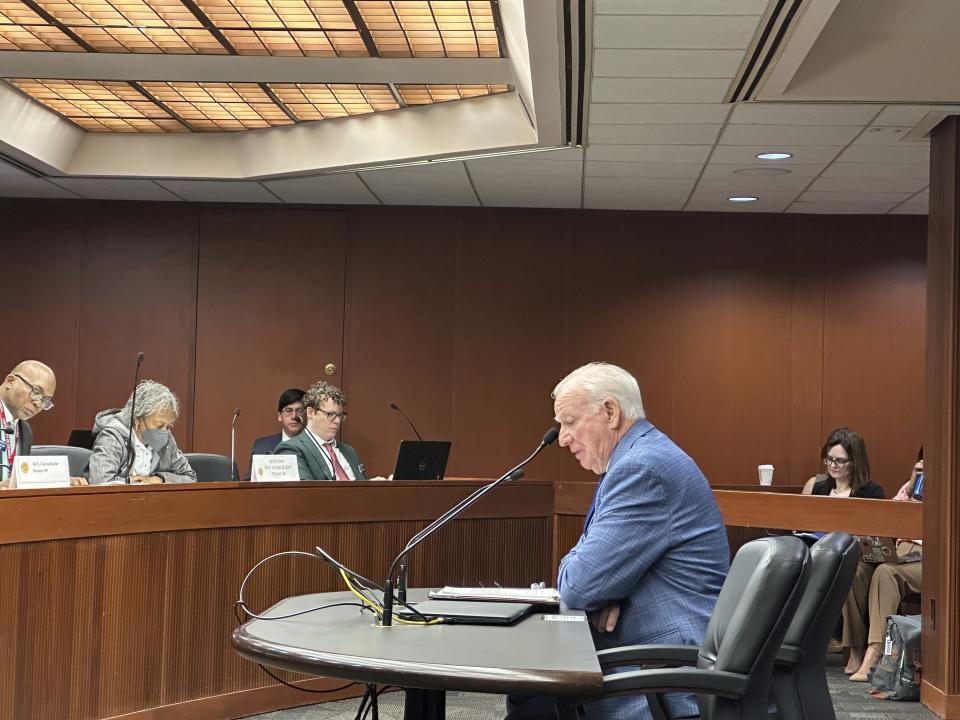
369	603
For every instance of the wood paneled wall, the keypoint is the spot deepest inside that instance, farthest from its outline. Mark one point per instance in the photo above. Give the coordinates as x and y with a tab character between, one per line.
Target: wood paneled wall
751	335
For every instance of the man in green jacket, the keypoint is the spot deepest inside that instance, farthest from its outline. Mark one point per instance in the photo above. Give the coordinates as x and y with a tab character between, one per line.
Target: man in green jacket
319	455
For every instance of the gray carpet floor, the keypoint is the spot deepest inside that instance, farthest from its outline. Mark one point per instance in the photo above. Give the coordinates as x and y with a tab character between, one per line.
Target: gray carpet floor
850	700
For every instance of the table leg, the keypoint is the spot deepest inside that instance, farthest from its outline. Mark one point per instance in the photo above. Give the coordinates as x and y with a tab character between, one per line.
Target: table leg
424	704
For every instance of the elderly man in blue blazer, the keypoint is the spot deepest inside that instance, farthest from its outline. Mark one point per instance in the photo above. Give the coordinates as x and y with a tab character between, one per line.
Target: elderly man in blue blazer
653	554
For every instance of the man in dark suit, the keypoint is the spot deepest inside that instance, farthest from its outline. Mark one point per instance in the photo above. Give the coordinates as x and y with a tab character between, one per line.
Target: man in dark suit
289	415
319	455
24	392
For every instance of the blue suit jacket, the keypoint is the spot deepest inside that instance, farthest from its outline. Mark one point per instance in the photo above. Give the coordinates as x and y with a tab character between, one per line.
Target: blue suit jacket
263	446
655	543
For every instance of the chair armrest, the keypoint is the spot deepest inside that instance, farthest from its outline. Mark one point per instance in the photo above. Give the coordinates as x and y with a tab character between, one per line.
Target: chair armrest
684	679
788	655
648	654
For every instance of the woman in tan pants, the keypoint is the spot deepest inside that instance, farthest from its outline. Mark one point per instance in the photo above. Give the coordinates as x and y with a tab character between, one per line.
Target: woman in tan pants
877	592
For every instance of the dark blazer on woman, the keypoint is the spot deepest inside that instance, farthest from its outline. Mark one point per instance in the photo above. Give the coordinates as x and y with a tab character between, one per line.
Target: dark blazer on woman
870	490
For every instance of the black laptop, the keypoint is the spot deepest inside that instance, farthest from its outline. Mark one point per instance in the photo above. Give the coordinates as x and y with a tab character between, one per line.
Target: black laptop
465	612
422	460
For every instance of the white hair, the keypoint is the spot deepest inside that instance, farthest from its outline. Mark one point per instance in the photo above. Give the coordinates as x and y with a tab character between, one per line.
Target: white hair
152	397
601	381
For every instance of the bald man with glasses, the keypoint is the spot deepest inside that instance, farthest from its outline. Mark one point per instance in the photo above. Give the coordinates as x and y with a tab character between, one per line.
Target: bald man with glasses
24	392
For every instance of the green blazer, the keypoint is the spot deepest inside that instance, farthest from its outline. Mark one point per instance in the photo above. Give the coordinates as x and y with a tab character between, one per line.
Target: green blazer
309	462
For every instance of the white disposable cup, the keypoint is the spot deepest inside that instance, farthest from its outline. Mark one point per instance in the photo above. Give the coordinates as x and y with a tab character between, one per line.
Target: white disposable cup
766	474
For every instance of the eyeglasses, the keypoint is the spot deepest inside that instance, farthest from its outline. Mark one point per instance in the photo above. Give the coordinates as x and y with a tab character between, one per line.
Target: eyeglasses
835	462
46	402
331	416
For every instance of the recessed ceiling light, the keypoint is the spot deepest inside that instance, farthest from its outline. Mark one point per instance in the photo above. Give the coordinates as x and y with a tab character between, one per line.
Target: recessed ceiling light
742	198
762	171
774	156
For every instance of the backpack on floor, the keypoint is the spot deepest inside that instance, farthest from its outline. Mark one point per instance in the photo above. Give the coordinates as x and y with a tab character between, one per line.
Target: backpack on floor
897	677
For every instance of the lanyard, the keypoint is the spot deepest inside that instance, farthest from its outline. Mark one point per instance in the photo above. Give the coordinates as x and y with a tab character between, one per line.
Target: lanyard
8	446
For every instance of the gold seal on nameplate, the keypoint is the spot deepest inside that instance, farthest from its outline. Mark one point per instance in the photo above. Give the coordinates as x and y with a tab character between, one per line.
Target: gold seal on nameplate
24	467
260	472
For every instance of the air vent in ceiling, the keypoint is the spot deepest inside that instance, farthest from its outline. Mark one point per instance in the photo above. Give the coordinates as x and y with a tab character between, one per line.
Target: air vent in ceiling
767	41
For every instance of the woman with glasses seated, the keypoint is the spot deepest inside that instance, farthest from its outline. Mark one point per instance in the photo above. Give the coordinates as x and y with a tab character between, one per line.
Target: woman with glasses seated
844	455
147	455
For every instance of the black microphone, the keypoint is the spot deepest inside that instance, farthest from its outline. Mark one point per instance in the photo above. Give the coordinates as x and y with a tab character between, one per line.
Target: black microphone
133	407
233	444
8	431
394	406
513	473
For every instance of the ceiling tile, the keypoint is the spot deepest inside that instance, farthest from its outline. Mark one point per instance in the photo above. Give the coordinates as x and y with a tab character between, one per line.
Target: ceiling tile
680	7
686	32
442	183
115	189
763	188
700	203
596	168
903	153
639	63
854	198
532	191
910	115
805	114
626	200
841	208
637	113
657	90
886	136
878	170
649	153
917	205
653	134
788	135
747	154
869	185
219	191
338	189
557	162
661	187
720	170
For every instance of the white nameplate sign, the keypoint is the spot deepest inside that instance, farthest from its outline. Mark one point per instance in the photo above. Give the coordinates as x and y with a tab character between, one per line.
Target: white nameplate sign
42	471
275	468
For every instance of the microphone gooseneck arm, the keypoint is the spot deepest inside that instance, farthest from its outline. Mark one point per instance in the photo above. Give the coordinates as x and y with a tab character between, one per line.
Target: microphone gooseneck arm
133	414
394	406
233	445
512	474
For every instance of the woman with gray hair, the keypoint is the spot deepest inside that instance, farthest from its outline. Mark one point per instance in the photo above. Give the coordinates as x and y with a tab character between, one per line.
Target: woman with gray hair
150	454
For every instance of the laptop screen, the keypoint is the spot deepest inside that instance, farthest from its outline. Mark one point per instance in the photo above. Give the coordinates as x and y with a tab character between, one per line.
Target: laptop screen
422	460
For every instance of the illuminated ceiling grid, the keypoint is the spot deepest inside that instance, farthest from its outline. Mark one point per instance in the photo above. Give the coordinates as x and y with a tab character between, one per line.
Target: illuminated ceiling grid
431	94
432	29
319	102
101	106
23	29
316	28
218	107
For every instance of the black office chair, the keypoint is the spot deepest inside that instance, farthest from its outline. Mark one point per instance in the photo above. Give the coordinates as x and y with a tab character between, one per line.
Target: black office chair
799	674
81	439
77	458
730	672
211	468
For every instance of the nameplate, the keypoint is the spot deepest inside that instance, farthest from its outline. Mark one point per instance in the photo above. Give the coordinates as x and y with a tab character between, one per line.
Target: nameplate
275	468
42	471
